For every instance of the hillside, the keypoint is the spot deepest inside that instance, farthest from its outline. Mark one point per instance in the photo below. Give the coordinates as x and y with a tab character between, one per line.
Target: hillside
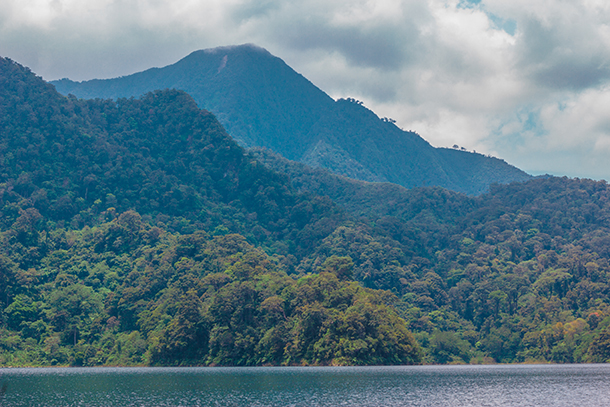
370	200
120	244
520	273
136	232
262	102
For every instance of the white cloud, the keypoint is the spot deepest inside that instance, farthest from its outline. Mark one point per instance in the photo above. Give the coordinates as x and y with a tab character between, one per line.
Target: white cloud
526	81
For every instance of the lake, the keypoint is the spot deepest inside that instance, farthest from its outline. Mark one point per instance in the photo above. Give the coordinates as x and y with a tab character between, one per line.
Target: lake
447	386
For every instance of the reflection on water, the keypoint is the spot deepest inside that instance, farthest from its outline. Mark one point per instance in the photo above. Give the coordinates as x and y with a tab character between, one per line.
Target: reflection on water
458	386
3	388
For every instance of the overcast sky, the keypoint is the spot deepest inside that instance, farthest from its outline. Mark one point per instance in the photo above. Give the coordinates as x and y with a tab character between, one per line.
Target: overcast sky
523	80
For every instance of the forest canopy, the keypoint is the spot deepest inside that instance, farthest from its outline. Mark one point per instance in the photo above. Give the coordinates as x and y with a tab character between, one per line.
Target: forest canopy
136	232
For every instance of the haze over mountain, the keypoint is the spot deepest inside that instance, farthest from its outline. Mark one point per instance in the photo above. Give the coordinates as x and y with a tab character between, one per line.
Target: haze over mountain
261	101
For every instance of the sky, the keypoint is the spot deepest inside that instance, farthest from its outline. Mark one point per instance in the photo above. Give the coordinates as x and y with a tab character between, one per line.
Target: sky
527	81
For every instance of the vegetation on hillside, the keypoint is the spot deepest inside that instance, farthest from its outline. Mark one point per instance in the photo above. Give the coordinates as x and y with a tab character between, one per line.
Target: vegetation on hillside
136	232
126	293
518	274
85	280
263	102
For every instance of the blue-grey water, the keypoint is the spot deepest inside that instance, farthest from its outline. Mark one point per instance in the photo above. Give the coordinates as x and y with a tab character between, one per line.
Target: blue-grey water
447	386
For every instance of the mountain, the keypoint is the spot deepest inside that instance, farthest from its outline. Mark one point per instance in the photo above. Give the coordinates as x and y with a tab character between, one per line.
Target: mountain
121	244
370	200
137	232
262	102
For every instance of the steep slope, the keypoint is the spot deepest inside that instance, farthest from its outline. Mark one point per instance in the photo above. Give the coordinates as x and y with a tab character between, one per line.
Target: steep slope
160	154
138	232
257	97
261	101
390	154
373	200
513	272
116	244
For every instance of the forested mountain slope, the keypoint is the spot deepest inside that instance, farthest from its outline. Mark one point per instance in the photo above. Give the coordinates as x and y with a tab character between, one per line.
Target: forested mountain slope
372	200
520	273
261	101
137	232
116	244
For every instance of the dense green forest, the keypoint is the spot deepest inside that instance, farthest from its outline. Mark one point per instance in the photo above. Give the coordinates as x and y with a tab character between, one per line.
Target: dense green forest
136	232
518	274
87	280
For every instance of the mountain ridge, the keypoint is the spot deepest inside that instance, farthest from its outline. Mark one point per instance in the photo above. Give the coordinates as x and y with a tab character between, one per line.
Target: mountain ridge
137	232
261	101
121	244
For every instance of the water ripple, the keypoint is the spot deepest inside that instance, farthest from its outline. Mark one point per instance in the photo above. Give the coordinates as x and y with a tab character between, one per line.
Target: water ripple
420	386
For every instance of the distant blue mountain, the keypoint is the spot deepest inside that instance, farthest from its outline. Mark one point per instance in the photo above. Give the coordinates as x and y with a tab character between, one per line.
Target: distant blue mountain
262	102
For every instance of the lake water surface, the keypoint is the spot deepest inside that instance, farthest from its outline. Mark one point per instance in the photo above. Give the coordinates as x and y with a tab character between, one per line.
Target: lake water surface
447	386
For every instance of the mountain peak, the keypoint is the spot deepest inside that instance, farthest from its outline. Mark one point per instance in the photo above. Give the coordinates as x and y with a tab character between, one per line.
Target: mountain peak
263	102
249	47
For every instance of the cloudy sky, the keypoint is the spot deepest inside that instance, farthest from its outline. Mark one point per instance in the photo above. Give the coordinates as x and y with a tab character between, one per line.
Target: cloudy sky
523	80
